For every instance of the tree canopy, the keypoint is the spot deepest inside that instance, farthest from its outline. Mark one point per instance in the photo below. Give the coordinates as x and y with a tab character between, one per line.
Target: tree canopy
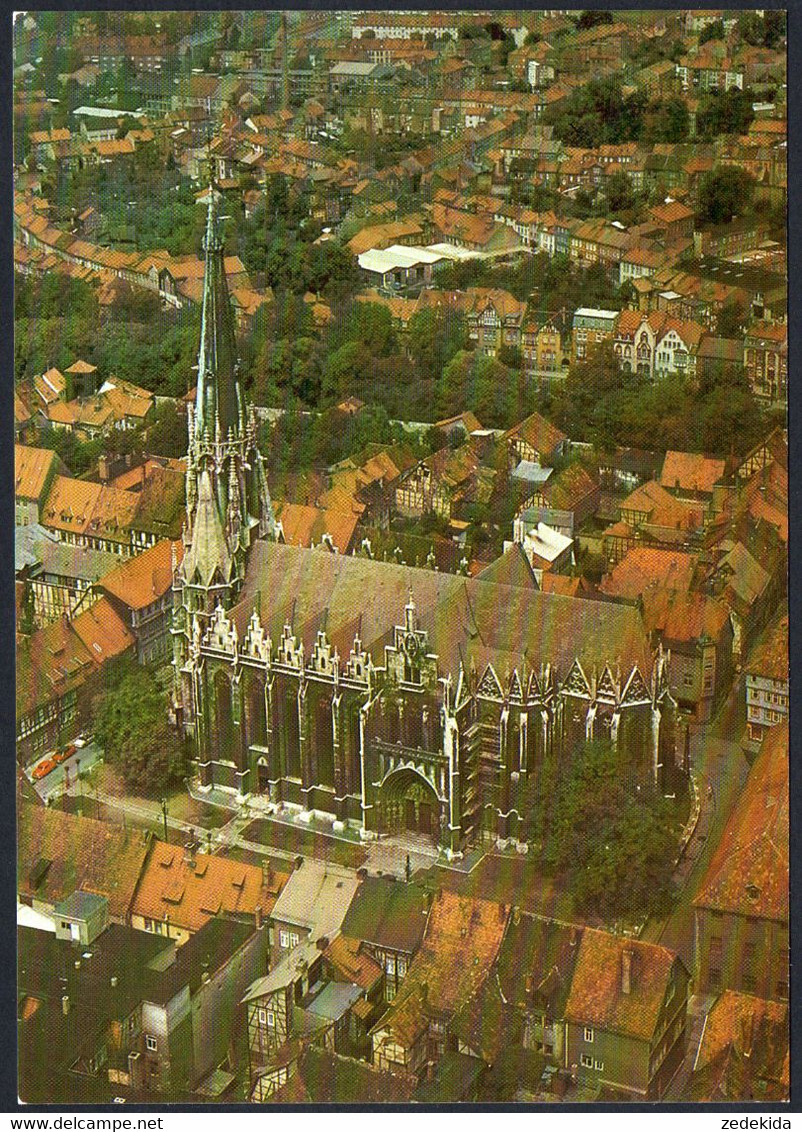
130	724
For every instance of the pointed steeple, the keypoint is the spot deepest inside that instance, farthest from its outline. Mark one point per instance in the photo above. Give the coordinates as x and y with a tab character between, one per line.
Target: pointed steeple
218	402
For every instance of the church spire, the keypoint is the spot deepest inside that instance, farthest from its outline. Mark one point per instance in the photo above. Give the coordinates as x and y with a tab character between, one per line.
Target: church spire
219	398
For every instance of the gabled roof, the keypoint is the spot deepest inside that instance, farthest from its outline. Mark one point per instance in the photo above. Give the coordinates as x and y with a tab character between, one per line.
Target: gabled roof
191	894
744	1050
537	431
142	580
462	939
32	469
387	914
645	567
536	963
691	471
67	852
769	657
597	996
103	632
749	873
316	897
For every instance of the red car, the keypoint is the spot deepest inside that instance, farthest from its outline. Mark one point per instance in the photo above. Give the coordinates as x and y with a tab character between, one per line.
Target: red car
44	767
62	755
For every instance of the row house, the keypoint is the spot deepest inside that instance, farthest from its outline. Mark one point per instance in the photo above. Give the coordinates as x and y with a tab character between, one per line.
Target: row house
591	327
141	591
34	472
706	72
493	320
656	344
59	578
741	939
564	502
542	348
53	665
766	361
767	681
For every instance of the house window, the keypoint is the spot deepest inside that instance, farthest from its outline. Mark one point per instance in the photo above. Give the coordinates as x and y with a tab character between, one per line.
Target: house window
284	939
294	939
389	964
586	1061
598	1065
588	1034
151	1044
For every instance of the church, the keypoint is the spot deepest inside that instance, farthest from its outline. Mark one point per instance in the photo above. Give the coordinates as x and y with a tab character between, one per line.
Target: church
387	698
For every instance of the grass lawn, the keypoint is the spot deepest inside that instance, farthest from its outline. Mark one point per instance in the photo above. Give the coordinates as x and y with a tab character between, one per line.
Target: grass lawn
180	805
304	842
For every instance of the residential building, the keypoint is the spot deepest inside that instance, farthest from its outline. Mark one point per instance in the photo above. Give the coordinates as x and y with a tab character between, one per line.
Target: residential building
61	578
59	853
34	472
389	920
141	590
537	440
494	319
590	327
626	1015
180	890
565	501
767	681
741	906
766	361
312	905
462	940
743	1051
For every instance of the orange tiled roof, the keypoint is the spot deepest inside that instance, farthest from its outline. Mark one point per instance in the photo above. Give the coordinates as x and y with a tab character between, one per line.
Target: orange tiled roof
144	579
683	616
462	939
749	873
352	964
597	997
190	896
96	856
32	466
645	567
537	431
691	471
735	1022
103	632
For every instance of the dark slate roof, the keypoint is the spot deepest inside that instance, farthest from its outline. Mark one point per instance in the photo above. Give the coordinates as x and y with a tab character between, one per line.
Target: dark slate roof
331	1079
467	619
512	568
536	963
388	914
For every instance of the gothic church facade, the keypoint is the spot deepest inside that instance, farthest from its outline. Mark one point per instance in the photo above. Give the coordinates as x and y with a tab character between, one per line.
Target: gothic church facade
388	698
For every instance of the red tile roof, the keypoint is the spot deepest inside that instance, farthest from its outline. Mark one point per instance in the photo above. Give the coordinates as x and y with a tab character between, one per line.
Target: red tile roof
142	580
749	873
190	895
691	471
597	996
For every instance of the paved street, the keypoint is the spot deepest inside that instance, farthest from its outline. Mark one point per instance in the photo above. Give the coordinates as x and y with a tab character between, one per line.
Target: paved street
721	767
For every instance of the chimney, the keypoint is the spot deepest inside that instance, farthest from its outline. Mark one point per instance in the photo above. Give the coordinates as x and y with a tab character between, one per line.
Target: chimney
257	917
626	971
65	1004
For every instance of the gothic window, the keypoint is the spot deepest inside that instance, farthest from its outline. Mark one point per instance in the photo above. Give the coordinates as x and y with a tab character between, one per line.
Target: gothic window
324	742
292	734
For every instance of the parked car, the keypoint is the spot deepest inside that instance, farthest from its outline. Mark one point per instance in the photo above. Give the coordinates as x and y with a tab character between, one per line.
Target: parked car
44	767
64	753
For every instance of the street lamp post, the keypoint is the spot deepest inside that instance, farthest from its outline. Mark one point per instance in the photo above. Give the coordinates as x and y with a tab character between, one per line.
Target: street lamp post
164	815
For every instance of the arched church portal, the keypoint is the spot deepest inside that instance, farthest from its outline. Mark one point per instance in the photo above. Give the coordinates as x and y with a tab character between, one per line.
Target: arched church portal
409	804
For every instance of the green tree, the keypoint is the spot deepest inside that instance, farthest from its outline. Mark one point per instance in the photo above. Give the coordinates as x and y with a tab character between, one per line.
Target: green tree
723	194
615	836
130	723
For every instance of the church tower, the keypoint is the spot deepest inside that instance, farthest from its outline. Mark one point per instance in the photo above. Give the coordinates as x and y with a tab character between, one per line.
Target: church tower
227	499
